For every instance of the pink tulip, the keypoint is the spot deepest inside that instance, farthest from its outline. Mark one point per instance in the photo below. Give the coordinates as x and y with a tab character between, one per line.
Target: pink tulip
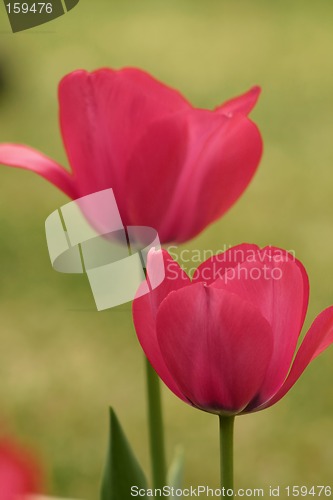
172	167
225	341
19	473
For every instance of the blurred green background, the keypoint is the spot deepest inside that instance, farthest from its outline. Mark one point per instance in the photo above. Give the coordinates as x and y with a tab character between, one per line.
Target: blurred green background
61	362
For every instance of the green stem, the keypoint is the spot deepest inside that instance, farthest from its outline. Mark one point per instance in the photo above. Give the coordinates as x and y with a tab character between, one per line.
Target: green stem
227	453
156	432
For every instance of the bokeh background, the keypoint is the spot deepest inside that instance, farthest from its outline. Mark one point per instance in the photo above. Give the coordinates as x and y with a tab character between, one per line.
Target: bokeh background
61	362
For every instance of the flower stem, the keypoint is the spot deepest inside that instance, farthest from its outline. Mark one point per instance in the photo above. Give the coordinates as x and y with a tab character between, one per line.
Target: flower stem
227	454
156	432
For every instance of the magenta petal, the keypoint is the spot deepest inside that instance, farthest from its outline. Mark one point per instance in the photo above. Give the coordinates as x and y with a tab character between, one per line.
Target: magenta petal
225	166
241	104
215	267
16	155
153	173
145	310
216	346
84	102
162	99
318	338
175	278
277	284
103	115
222	157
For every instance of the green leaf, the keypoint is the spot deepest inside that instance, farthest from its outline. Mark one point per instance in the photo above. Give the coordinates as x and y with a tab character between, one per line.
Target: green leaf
176	470
122	470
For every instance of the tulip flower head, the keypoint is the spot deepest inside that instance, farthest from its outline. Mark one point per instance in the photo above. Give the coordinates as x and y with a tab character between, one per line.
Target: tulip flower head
171	166
225	341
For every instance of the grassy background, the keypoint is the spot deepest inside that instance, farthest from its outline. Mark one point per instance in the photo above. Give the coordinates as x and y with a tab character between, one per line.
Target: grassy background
61	362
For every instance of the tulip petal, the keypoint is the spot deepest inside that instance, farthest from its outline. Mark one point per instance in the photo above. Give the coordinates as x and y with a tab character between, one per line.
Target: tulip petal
209	159
16	155
102	116
215	267
153	174
145	311
277	284
223	155
241	104
175	278
318	338
216	346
